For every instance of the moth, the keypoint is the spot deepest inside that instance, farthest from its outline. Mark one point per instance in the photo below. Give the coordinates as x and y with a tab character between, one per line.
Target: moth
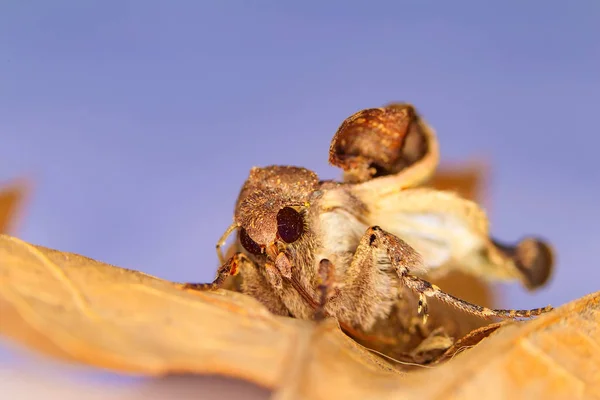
311	248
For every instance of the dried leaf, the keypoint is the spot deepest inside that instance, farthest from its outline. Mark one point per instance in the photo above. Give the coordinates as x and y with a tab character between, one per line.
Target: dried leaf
75	308
556	356
470	340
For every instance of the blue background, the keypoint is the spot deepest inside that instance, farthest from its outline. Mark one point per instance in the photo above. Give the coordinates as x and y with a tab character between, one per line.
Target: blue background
138	121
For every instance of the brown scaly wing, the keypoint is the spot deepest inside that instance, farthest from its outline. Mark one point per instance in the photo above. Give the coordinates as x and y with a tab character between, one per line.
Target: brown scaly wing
385	148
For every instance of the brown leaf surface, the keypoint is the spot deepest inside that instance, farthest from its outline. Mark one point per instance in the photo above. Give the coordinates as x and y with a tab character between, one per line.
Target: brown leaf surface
75	308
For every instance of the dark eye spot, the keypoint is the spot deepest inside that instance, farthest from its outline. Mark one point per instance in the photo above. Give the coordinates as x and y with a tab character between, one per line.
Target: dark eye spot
290	224
372	239
248	243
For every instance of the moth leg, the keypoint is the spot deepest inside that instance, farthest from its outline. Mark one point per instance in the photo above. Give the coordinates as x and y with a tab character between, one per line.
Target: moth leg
230	268
326	273
253	283
397	251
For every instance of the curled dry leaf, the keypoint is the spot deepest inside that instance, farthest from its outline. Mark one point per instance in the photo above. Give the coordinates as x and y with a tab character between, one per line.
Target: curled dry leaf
79	309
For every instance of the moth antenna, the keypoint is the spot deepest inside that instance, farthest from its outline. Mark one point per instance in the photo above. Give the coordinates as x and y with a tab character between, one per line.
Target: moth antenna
222	241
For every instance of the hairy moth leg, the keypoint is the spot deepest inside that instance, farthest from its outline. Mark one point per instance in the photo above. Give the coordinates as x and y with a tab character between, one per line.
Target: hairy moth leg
326	274
253	283
396	249
230	268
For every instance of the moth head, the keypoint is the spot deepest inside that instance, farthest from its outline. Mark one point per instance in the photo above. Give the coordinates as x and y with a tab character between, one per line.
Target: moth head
268	226
272	208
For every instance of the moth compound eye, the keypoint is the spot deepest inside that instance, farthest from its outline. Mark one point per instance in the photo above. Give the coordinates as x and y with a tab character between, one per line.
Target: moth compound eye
248	243
290	224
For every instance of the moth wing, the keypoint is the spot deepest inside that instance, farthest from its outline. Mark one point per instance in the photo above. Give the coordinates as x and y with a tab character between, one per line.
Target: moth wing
446	229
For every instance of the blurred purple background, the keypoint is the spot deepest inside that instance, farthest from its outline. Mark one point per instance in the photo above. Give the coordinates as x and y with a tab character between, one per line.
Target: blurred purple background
139	120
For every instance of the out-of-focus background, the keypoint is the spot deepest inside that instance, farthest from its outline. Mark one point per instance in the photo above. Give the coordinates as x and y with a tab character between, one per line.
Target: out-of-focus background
137	122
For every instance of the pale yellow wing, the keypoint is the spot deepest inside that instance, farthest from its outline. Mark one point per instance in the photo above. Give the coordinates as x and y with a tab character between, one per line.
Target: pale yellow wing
449	232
